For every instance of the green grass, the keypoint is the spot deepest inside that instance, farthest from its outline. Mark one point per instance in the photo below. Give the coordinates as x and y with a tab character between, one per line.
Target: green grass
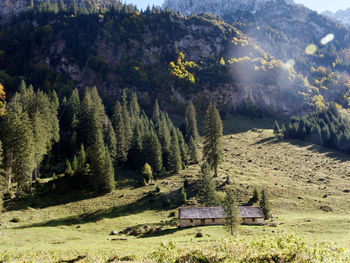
296	176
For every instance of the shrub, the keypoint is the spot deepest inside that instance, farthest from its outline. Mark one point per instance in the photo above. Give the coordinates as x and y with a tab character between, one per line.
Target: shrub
15	219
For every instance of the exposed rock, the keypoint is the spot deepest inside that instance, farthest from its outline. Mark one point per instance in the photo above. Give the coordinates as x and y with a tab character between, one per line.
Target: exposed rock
114	233
272	224
199	234
326	208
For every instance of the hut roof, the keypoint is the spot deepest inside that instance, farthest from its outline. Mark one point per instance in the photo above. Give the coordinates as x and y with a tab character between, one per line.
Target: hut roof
201	212
217	212
250	212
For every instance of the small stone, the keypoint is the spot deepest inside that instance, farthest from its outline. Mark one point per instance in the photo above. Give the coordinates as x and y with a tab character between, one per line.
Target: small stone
326	208
300	197
162	221
78	227
249	161
346	191
114	232
272	224
325	196
199	234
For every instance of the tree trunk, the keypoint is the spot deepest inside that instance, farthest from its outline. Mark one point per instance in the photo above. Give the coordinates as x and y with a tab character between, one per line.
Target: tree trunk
228	179
9	173
231	228
216	171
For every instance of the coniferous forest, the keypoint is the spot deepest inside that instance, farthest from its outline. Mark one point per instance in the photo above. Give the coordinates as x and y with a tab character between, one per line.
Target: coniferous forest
113	119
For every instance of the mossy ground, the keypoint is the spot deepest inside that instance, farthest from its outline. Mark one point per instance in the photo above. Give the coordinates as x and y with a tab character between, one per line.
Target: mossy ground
297	176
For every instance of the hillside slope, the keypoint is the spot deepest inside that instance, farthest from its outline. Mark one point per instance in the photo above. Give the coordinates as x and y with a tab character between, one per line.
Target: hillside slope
285	30
296	176
158	54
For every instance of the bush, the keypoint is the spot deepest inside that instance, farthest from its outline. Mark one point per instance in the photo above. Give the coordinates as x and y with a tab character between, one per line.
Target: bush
15	219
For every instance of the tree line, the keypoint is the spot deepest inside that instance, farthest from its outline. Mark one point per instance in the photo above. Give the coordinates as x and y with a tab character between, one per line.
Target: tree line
325	127
40	134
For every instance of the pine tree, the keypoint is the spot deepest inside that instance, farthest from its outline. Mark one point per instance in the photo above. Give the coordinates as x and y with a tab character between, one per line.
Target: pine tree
75	164
156	112
255	197
276	128
153	151
121	152
2	177
283	130
193	151
264	204
183	148
18	146
69	170
231	210
191	123
212	138
206	186
175	163
134	107
107	177
111	141
127	128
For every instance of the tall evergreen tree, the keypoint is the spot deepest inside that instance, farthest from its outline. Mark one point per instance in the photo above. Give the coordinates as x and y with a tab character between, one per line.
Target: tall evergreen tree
265	204
2	177
153	151
111	141
191	123
134	106
231	210
18	145
206	186
175	163
183	148
212	150
121	153
276	128
193	151
156	112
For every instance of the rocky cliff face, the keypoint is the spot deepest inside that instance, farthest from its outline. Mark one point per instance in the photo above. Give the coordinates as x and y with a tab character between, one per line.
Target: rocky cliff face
218	7
342	16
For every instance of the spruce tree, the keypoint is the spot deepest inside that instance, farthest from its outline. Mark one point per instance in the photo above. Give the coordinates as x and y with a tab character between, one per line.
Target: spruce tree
183	148
256	196
276	128
231	210
193	151
156	113
265	204
127	127
69	170
111	141
107	177
121	149
2	177
191	123
134	107
18	146
175	163
206	186
153	151
75	164
212	149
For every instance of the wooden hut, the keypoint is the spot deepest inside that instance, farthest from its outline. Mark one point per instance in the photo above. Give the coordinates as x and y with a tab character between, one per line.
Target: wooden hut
201	216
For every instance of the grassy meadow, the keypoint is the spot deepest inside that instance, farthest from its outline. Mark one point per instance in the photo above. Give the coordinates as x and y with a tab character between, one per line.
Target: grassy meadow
299	178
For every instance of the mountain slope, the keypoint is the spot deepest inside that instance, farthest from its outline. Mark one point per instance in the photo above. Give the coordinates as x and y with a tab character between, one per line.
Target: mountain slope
285	30
342	16
201	58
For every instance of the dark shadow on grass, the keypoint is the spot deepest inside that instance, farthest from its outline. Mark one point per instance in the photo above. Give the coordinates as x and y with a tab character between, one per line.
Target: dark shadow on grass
144	203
